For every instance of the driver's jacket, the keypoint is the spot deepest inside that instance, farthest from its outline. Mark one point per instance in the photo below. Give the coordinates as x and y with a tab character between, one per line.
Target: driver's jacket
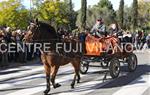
98	30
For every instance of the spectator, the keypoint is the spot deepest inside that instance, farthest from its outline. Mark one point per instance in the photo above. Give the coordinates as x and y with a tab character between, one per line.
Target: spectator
148	40
1	40
143	39
13	37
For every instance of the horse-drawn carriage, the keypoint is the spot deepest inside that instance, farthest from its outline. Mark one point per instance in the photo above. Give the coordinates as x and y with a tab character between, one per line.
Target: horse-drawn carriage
109	52
93	48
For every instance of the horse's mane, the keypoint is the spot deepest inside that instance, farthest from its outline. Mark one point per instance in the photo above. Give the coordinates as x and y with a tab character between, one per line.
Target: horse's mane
47	26
46	32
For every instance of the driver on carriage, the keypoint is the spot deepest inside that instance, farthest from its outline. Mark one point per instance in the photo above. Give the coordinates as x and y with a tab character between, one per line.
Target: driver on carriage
99	29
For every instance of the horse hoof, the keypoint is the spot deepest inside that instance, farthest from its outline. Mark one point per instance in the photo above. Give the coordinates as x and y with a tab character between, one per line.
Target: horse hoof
72	87
46	91
78	81
47	94
57	85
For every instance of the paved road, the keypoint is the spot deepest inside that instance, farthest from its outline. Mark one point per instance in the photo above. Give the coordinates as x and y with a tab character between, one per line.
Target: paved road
30	80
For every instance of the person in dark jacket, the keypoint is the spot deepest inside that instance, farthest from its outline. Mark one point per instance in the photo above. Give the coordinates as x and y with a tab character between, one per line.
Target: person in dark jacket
148	40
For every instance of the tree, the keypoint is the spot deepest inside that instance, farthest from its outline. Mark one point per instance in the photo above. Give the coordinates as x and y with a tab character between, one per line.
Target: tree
72	15
83	13
103	9
57	13
127	18
121	13
13	14
107	12
135	14
144	14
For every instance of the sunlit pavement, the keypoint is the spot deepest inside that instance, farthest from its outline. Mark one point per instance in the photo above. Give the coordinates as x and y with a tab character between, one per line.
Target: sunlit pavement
30	80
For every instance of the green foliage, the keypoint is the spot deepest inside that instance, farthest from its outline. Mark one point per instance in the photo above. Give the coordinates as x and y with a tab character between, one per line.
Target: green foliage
57	13
144	14
72	15
127	18
13	14
83	13
143	17
61	13
121	13
103	9
135	14
105	4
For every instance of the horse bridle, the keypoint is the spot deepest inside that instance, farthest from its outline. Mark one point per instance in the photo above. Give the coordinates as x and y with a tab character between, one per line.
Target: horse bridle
36	29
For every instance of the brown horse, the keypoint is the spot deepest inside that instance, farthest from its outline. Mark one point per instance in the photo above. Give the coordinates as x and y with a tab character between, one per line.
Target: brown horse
42	32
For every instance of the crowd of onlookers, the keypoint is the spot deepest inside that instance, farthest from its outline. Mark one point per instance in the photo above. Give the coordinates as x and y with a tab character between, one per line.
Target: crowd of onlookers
15	37
139	39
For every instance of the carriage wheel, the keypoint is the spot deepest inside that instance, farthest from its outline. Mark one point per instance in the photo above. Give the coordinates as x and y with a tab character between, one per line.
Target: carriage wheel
84	66
114	68
132	62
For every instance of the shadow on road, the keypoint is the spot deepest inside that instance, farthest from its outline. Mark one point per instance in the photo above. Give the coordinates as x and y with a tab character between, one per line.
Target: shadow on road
124	80
110	83
118	82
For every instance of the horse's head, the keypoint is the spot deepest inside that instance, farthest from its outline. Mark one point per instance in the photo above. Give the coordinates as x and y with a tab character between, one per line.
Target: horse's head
32	30
41	32
33	27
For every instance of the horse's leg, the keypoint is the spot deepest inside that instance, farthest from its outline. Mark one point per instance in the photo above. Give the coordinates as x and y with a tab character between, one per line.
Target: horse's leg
54	71
76	66
47	71
78	74
77	70
73	82
47	79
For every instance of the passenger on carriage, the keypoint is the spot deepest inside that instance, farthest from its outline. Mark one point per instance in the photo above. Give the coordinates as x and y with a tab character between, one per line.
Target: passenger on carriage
114	29
99	29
